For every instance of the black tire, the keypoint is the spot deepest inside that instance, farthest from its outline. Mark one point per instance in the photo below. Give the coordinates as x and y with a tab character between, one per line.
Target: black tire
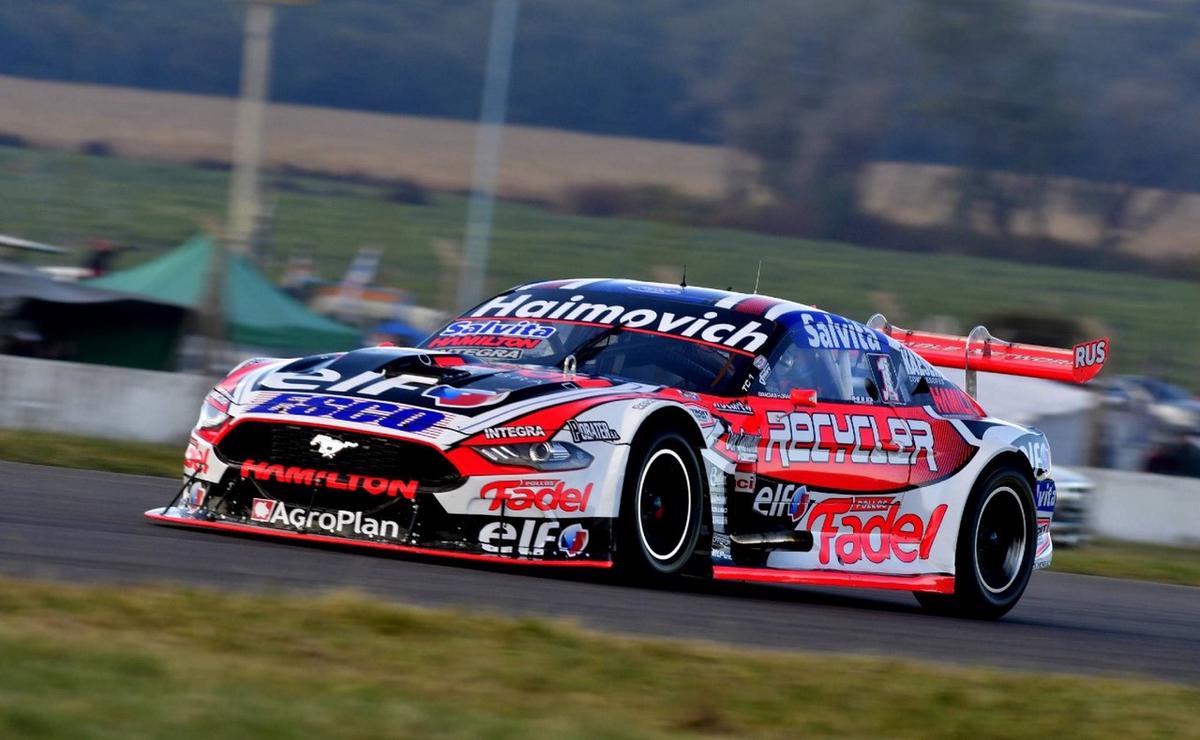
995	551
661	508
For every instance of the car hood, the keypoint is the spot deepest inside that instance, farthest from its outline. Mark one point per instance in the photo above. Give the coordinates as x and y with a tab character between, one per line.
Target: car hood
413	391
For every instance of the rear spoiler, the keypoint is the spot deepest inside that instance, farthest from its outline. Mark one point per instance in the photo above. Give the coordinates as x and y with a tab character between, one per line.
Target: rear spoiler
979	351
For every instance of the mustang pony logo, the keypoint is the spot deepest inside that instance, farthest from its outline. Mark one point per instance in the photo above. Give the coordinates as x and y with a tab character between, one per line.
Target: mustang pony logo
328	446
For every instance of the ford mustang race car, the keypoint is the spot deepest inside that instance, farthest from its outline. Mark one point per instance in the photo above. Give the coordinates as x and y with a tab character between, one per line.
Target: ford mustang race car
657	429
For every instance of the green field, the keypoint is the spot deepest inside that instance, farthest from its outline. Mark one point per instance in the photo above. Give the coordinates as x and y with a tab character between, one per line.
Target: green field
1179	565
65	198
89	453
137	662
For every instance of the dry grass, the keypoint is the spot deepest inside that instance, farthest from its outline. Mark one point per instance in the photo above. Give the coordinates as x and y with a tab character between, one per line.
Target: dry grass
182	128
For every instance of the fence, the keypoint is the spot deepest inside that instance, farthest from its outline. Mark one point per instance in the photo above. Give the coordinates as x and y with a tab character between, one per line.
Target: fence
98	401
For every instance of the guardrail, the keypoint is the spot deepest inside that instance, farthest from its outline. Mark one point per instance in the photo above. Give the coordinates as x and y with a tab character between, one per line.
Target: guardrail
1143	507
99	401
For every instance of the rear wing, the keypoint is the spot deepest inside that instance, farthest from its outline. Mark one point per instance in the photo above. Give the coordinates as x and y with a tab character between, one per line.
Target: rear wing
979	351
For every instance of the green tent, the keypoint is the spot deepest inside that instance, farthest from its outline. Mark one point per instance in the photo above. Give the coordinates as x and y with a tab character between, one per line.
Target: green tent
257	313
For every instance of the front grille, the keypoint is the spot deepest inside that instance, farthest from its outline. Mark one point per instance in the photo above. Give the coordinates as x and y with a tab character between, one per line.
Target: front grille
242	491
374	456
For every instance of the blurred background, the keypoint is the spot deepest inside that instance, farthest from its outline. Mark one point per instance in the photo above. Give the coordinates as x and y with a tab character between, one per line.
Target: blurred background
1031	165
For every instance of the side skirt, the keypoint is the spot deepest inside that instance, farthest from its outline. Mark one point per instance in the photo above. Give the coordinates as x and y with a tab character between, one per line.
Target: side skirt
937	584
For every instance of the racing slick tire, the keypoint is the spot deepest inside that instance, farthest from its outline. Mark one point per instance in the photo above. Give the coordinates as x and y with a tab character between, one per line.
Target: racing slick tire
995	550
661	508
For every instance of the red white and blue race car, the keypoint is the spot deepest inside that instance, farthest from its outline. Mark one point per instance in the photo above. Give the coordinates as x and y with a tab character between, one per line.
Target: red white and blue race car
658	429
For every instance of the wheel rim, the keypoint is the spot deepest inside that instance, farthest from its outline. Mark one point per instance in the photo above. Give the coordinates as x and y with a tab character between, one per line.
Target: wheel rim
1000	539
663	519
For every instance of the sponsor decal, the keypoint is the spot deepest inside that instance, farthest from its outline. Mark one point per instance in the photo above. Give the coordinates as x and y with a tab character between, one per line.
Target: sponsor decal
951	401
269	511
330	447
192	499
644	403
1091	353
744	479
734	407
826	331
195	460
573	540
514	432
801	437
916	366
887	379
543	495
725	328
511	343
845	533
743	444
375	413
783	499
1047	496
1036	450
797	504
298	476
530	538
262	508
772	394
1043	539
463	398
592	431
498	329
764	369
702	415
655	289
487	353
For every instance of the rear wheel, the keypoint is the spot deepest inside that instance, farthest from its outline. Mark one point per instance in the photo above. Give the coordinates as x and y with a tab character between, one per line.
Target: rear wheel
994	557
661	508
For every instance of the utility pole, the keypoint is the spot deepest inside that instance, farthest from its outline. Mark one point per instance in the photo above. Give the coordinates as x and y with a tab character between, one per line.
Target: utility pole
245	188
489	137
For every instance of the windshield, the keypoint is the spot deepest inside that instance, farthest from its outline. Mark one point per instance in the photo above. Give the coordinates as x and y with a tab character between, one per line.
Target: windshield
852	365
629	354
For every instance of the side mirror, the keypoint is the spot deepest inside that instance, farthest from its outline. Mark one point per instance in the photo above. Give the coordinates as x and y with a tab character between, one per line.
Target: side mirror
803	397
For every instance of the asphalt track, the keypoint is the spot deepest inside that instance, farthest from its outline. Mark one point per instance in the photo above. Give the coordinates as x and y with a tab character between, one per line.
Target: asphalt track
86	526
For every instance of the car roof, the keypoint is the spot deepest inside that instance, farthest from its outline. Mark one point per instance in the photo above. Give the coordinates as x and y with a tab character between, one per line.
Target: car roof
767	307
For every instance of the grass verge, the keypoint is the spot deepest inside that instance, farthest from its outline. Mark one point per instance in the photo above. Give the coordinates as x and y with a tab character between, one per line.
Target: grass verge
86	661
1179	565
48	448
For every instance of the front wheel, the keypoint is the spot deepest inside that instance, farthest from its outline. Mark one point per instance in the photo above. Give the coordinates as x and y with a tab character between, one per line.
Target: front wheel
661	508
994	558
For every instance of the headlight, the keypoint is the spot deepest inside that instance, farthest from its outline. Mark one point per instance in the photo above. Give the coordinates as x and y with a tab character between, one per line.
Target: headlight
214	412
538	455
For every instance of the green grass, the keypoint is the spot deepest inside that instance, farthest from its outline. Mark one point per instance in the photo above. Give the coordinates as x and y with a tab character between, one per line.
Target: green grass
48	448
1180	565
65	198
106	663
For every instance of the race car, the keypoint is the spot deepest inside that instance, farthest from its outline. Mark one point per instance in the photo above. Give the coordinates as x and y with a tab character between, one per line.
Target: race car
659	430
